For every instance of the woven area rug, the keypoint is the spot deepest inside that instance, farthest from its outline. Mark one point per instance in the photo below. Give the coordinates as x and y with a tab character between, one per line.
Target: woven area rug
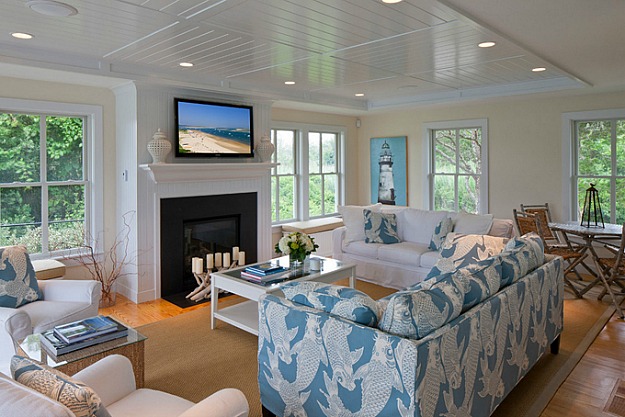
186	358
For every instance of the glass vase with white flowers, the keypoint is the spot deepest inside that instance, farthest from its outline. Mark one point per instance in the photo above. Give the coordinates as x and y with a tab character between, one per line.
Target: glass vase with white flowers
297	245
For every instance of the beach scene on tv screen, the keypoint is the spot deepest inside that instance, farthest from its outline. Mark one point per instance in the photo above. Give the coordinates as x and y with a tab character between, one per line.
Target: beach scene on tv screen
213	129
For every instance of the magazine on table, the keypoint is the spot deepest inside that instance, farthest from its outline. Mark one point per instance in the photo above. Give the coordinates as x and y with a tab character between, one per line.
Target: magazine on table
56	347
85	329
262	278
266	268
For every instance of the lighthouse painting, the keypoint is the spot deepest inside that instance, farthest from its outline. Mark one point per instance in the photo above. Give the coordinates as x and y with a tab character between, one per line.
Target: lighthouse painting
388	171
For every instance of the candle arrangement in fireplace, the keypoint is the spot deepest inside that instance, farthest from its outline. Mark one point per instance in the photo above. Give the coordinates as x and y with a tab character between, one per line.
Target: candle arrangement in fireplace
214	262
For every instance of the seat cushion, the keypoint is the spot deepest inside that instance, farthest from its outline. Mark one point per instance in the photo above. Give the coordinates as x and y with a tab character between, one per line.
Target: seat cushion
404	253
44	315
360	248
146	402
79	398
18	284
429	259
345	302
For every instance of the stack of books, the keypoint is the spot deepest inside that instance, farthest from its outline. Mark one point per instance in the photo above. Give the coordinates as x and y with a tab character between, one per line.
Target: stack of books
82	333
265	272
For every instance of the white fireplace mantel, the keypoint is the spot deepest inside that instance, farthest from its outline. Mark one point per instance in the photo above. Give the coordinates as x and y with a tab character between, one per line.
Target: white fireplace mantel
172	173
161	181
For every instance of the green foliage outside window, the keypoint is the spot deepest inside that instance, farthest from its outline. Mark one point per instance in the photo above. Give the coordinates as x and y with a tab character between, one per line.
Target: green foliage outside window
457	169
21	203
601	161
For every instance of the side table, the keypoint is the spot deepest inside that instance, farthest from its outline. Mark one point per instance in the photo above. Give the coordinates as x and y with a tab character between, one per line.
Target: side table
131	346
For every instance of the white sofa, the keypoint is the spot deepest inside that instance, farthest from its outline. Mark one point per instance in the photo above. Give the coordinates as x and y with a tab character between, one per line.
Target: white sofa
113	380
401	265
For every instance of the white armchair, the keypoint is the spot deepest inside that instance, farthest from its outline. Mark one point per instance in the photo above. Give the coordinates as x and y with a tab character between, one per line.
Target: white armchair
113	380
63	301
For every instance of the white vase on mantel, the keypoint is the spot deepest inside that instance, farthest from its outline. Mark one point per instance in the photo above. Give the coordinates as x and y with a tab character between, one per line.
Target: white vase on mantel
264	149
159	147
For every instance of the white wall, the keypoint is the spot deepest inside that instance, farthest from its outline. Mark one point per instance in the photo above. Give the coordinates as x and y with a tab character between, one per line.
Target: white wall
525	146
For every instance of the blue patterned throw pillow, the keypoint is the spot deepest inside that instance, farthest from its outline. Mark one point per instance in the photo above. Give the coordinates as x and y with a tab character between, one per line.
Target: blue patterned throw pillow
461	250
380	227
18	284
345	302
521	256
443	228
73	394
415	314
483	279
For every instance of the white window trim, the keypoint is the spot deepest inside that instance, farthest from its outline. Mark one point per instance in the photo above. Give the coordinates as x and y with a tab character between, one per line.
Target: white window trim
428	178
94	161
569	152
301	163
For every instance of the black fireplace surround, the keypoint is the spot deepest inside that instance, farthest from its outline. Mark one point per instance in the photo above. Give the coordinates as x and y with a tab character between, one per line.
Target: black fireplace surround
176	279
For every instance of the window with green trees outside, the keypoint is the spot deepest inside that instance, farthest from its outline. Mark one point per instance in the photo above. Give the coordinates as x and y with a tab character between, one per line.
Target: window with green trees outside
456	169
600	151
307	182
42	181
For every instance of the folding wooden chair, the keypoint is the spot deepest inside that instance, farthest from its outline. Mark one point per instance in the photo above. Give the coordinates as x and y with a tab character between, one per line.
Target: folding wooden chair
611	270
527	222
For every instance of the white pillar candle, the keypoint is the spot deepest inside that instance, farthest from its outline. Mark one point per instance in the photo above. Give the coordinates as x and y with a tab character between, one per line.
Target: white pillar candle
200	265
209	261
241	258
235	253
193	265
226	259
217	259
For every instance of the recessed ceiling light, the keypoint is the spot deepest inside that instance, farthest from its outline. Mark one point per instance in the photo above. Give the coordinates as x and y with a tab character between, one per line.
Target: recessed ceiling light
539	69
359	94
391	1
488	44
22	35
289	82
52	8
186	64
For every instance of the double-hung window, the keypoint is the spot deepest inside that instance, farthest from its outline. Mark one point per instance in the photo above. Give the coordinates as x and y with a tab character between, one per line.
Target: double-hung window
597	156
45	174
457	170
308	183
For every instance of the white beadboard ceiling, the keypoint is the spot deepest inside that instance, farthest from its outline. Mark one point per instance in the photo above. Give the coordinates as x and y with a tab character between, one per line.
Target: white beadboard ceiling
415	51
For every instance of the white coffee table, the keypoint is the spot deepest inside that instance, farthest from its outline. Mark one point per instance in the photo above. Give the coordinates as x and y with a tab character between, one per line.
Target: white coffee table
244	315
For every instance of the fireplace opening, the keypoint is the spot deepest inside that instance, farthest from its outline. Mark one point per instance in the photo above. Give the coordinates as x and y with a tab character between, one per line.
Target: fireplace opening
197	226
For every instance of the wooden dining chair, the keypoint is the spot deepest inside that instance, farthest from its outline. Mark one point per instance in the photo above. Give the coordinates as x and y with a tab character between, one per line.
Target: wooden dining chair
611	271
528	222
544	214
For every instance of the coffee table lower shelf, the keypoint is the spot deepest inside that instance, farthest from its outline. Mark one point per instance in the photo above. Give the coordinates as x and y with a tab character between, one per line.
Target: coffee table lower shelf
243	315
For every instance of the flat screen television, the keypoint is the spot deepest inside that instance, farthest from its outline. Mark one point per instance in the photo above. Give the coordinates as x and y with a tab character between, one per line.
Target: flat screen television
205	129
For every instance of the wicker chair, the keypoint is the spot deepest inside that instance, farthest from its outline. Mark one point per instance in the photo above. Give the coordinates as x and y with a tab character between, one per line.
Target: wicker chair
527	223
611	271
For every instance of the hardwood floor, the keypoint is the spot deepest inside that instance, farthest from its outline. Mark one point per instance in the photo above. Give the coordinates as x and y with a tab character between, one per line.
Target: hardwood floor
585	393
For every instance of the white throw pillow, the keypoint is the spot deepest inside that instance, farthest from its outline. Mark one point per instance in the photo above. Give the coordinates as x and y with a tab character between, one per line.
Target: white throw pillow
417	225
354	220
472	224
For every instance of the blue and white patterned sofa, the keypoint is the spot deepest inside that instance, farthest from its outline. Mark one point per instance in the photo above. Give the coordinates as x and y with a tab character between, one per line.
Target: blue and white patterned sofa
449	347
